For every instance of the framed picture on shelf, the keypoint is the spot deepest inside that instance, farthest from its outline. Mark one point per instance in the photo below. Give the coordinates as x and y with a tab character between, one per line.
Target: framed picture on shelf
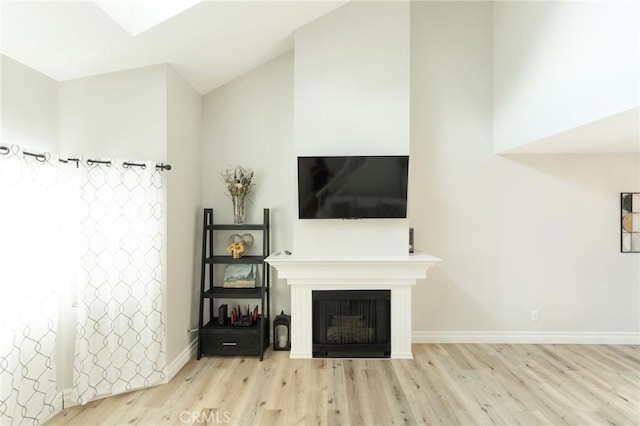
240	275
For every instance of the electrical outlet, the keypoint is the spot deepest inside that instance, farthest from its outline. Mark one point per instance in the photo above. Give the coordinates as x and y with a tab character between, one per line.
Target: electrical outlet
534	315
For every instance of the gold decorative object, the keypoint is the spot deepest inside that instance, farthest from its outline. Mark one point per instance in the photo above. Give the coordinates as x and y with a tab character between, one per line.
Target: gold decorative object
236	249
236	241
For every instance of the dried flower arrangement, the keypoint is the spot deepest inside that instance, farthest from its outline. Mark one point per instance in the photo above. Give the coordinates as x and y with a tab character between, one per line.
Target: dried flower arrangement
239	185
238	181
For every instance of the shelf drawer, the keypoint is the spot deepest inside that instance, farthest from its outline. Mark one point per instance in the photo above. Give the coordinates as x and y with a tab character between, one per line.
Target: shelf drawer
228	340
231	342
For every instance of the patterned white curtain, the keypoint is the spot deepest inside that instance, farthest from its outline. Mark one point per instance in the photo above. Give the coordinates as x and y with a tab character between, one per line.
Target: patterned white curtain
32	235
94	231
121	335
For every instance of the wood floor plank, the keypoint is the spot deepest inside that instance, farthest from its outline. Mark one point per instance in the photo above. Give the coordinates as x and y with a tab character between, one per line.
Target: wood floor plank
271	417
338	411
445	384
258	393
190	393
356	393
412	378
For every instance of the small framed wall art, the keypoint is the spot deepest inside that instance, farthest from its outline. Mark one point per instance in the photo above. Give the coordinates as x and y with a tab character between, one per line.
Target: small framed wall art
240	275
630	222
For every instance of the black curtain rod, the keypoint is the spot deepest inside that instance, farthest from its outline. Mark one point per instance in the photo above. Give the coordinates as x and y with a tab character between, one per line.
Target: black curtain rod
39	157
91	162
75	160
127	164
4	150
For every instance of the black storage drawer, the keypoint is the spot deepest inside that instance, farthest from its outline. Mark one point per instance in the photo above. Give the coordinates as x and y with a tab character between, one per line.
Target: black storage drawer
230	342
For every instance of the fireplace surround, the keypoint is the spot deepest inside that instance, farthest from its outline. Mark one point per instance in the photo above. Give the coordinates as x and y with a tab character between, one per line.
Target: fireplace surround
397	274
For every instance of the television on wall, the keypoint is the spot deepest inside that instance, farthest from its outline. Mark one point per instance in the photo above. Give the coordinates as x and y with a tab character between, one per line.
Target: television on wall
352	187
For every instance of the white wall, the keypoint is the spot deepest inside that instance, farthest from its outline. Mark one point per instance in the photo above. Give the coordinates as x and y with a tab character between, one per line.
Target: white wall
561	65
184	207
121	114
352	81
351	91
515	233
28	107
249	122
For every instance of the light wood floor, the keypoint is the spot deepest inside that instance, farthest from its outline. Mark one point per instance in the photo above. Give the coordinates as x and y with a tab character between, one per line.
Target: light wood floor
451	384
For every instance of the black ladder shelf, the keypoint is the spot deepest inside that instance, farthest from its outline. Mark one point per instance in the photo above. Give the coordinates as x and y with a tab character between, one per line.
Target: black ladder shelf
223	338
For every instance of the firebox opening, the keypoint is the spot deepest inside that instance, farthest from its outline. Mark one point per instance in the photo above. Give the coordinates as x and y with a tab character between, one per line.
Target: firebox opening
351	323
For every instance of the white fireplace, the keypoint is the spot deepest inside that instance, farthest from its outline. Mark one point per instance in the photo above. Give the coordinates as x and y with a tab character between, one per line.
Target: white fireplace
395	273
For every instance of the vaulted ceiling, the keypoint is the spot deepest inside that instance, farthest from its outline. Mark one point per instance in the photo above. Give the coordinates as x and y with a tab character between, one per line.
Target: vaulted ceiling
209	43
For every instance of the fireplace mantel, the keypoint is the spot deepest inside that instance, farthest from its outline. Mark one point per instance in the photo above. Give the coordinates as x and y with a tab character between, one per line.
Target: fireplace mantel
396	273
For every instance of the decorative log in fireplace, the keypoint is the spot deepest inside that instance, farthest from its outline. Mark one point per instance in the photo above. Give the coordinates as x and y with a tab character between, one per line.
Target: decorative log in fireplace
351	323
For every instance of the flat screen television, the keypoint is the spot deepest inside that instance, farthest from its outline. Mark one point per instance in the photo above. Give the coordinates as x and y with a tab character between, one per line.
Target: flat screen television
352	187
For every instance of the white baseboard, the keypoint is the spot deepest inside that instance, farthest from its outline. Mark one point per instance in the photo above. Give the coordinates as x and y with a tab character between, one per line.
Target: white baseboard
539	337
70	398
184	357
